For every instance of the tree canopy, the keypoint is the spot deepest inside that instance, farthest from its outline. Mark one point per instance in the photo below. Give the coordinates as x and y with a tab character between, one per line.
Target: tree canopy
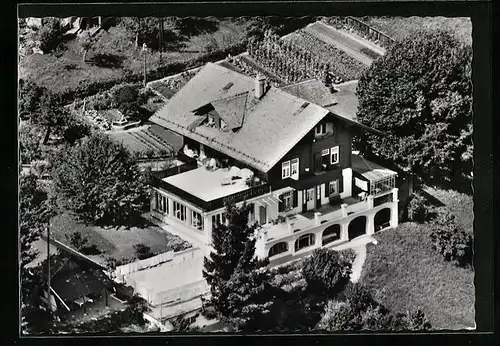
100	181
420	94
35	210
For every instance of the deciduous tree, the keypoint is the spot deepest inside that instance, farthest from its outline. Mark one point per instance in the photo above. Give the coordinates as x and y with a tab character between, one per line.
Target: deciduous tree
420	95
100	181
86	42
35	210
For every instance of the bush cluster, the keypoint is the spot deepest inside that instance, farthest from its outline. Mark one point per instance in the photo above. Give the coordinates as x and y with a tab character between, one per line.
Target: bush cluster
327	271
418	208
453	243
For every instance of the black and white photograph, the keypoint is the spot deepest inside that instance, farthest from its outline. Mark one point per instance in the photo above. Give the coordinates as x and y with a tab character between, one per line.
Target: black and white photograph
257	174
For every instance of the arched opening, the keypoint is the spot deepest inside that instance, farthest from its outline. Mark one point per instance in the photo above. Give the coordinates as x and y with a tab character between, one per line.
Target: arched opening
278	248
382	219
304	241
357	227
331	234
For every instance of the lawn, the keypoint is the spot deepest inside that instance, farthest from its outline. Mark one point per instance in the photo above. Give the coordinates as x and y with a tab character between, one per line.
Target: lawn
116	242
400	27
115	56
460	204
404	272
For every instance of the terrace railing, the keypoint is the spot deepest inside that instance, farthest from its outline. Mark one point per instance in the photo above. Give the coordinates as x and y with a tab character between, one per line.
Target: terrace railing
216	203
369	31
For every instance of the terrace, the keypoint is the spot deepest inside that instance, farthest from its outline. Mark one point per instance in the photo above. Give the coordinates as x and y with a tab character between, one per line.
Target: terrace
303	221
208	189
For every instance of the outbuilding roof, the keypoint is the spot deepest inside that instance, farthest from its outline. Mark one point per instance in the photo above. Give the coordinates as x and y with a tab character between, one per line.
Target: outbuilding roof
370	170
270	126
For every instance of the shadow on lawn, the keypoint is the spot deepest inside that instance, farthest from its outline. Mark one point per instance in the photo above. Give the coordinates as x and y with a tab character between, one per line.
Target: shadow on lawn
107	60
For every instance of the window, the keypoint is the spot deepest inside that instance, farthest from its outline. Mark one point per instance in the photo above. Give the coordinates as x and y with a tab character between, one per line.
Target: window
320	129
285	170
161	203
304	241
218	219
222	124
278	248
309	195
251	212
286	201
334	155
196	220
333	187
325	152
180	211
294	174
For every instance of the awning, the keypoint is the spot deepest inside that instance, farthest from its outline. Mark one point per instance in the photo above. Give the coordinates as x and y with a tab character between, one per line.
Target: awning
268	201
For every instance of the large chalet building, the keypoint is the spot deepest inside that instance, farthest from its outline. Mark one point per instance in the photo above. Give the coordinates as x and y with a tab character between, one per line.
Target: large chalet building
286	152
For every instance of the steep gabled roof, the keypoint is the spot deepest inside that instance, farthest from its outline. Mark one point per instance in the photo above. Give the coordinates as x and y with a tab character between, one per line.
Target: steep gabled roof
270	126
312	90
343	104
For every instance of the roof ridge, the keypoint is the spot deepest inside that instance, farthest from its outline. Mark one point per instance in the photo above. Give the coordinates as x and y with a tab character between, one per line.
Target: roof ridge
231	97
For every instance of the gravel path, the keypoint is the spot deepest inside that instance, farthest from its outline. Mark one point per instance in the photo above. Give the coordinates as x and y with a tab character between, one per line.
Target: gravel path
338	39
357	265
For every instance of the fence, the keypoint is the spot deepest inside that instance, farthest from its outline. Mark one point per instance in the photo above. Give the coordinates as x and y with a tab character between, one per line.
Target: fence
179	294
128	268
363	29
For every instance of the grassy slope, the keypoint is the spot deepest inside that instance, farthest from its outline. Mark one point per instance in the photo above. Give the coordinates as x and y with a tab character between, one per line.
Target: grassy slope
460	204
404	272
400	27
66	70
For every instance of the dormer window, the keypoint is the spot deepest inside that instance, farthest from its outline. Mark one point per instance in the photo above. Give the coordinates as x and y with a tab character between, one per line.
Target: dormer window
211	120
320	129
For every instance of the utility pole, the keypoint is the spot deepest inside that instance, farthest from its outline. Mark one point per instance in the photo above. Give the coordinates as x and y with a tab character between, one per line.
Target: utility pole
48	265
144	51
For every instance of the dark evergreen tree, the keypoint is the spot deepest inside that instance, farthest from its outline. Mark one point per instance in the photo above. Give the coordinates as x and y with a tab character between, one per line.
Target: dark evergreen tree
233	248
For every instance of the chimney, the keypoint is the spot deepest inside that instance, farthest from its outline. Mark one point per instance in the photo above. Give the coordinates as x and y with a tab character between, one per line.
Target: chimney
260	85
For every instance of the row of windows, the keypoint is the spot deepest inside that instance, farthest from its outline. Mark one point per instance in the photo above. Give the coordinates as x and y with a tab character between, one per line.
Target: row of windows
179	211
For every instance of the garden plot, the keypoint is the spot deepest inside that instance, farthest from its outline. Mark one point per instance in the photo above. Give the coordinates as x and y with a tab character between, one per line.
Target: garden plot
341	63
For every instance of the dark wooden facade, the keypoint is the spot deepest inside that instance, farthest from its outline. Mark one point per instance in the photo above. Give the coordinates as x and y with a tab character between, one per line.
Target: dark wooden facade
307	151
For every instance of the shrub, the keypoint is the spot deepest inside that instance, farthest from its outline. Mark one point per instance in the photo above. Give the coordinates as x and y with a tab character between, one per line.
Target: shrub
124	94
418	209
142	251
453	244
76	240
49	35
326	271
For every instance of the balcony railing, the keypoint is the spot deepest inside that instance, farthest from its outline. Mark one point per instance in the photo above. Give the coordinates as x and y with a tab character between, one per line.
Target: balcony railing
216	203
